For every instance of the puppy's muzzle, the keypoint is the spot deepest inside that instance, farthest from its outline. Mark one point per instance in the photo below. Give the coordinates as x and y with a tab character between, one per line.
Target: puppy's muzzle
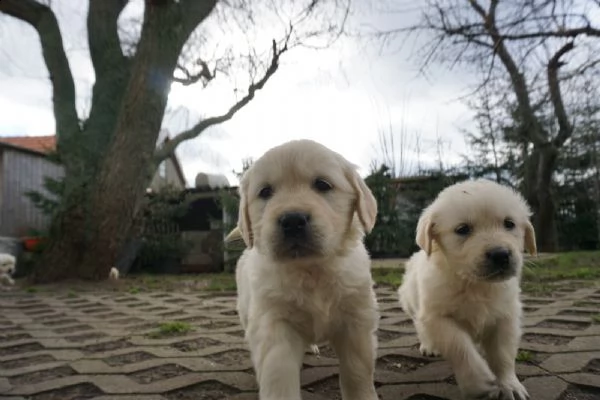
499	264
296	236
294	225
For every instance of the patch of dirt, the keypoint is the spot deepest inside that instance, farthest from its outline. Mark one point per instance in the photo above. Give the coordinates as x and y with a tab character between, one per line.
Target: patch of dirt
84	337
424	397
9	337
61	322
578	313
328	388
96	310
51	317
126	321
86	305
530	309
173	314
559	324
326	351
22	348
537	302
231	357
398	363
593	367
40	376
395	310
160	295
175	300
230	313
240	334
218	325
387	300
108	346
590	304
386	336
154	309
193	320
580	393
158	373
128	358
75	328
82	391
26	362
196	344
110	315
125	299
136	305
209	390
546	339
39	311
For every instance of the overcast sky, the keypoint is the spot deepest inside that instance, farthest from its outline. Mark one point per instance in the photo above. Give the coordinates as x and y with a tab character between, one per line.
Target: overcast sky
342	97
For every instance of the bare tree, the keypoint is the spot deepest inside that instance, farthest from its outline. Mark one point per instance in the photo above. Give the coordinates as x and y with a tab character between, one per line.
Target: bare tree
527	43
110	157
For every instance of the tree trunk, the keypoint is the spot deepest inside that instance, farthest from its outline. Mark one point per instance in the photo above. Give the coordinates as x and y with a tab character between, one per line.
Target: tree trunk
92	231
545	212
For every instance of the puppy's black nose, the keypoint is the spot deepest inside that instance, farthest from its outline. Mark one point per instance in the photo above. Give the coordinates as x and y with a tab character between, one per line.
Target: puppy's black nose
499	256
293	224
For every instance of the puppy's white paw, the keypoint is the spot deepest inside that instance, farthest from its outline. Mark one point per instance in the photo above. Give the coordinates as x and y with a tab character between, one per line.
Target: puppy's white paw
428	351
512	389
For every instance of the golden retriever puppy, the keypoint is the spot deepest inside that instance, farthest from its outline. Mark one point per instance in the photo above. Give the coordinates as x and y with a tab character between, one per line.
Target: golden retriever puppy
305	276
462	288
7	268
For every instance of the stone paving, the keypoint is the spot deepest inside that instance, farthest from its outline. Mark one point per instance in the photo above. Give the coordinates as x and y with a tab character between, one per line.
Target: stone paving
99	346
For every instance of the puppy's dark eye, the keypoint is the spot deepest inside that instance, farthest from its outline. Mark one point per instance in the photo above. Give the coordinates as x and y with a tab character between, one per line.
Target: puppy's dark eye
266	192
463	230
509	224
322	185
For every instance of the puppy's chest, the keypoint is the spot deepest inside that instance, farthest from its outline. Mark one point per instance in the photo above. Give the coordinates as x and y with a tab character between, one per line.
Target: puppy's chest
314	307
477	313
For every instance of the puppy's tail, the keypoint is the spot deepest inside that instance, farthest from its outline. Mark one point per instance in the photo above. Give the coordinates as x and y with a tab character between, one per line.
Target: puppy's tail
234	237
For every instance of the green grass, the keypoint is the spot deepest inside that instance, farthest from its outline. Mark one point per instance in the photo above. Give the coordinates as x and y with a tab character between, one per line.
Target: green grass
387	276
71	294
524	356
174	328
583	265
31	289
220	282
134	290
596	318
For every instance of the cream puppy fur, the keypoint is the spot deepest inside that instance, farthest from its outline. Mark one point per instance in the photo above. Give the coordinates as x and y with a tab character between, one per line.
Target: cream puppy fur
305	276
462	289
7	268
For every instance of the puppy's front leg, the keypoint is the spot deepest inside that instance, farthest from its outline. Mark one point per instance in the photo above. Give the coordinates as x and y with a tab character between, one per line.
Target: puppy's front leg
277	352
356	350
501	343
473	375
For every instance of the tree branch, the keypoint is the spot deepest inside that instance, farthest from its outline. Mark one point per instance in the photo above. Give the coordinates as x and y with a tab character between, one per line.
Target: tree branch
103	38
564	125
517	79
205	75
43	20
169	147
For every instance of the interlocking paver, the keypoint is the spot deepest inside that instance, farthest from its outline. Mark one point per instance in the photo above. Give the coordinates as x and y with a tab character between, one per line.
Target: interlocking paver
97	345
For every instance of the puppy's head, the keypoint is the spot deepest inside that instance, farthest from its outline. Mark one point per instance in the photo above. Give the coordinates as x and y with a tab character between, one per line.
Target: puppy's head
480	228
301	201
7	264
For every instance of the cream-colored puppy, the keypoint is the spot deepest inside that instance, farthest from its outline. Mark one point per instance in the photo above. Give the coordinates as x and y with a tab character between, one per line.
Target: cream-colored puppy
305	275
7	268
462	289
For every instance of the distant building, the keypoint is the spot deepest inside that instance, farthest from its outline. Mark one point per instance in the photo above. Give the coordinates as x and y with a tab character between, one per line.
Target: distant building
23	165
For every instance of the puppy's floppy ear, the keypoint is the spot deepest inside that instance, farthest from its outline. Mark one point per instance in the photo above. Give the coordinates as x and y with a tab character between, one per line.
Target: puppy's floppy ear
530	245
243	225
366	205
425	232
